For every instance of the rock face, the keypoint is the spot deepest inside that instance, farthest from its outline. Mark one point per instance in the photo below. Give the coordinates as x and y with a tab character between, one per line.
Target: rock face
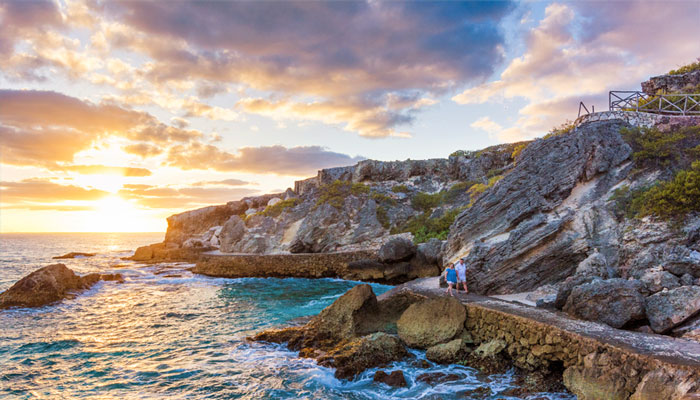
431	322
534	226
668	309
397	249
615	302
231	233
46	285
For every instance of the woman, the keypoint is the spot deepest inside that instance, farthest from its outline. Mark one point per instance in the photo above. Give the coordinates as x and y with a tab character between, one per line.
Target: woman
450	277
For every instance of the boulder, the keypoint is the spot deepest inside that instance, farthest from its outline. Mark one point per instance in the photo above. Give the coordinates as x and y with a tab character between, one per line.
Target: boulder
231	233
342	319
273	201
73	254
657	280
44	286
660	384
397	249
667	309
436	378
143	253
430	322
595	383
446	353
394	379
355	356
595	265
365	270
615	302
431	251
568	285
489	357
687	280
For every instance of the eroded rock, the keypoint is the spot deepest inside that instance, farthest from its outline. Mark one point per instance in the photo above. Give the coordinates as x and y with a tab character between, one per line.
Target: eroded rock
446	353
395	378
431	322
369	351
615	302
397	249
667	309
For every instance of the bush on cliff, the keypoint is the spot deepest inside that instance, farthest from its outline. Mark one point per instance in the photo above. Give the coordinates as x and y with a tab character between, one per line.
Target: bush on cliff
694	66
276	209
655	149
425	228
335	193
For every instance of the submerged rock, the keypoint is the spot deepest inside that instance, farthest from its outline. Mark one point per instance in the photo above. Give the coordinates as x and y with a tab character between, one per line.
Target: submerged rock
446	353
44	286
73	255
431	322
395	378
369	351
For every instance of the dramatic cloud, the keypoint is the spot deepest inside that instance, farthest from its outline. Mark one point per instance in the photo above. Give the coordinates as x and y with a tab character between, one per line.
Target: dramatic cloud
36	190
227	182
579	53
168	197
278	160
333	55
107	170
45	127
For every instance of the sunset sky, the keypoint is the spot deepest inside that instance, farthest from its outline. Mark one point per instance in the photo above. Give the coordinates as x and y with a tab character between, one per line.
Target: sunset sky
114	115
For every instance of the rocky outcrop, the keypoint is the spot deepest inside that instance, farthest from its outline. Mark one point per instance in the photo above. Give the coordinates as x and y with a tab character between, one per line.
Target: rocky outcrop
73	254
374	350
397	249
447	353
394	379
541	220
48	285
672	83
668	309
431	322
615	302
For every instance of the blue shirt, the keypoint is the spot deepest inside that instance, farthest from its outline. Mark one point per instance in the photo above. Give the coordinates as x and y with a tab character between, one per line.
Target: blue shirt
451	275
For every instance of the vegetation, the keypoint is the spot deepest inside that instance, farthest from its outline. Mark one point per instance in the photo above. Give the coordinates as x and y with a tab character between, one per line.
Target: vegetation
400	189
562	129
335	193
459	153
517	150
425	228
480	188
276	209
654	149
381	198
426	202
383	217
694	66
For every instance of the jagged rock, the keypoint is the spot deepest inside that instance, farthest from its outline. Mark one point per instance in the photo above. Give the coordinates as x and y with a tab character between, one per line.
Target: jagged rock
369	351
595	265
431	322
341	319
686	280
657	280
397	249
73	255
446	353
231	233
615	302
659	384
432	251
365	270
667	309
568	285
193	243
529	229
595	383
489	357
394	379
44	286
317	232
196	222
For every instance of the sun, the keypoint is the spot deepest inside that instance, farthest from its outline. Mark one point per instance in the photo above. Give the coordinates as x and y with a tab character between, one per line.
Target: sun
114	214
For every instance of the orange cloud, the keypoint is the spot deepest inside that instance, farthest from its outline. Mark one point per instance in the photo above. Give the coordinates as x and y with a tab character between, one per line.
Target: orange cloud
107	170
43	191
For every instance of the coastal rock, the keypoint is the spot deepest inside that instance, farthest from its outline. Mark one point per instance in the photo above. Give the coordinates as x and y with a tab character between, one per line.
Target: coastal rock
568	285
657	280
231	233
615	302
317	232
660	384
431	322
668	309
397	249
394	379
342	319
369	351
73	255
446	353
489	357
596	379
431	251
44	286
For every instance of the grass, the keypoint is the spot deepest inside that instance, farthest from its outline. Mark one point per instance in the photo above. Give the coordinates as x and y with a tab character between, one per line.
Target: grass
383	217
694	66
335	193
425	228
276	209
400	189
562	129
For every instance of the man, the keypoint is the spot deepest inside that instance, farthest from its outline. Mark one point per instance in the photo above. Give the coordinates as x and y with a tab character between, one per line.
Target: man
462	274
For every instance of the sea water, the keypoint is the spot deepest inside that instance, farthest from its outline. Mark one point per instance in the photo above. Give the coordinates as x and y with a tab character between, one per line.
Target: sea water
168	333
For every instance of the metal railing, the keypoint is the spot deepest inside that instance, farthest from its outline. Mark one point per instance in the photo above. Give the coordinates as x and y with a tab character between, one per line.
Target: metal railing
677	104
583	106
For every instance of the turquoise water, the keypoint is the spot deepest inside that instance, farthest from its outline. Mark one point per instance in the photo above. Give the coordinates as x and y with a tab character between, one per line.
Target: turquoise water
167	333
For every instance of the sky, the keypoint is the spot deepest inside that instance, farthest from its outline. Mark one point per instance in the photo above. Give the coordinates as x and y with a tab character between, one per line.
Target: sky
116	114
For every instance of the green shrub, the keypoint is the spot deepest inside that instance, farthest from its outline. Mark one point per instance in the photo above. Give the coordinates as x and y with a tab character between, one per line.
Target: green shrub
276	209
400	189
456	190
562	129
425	202
517	150
335	193
480	188
381	198
695	66
653	148
674	198
383	217
459	153
425	228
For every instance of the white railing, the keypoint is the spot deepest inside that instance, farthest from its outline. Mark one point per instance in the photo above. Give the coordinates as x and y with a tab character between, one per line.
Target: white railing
676	104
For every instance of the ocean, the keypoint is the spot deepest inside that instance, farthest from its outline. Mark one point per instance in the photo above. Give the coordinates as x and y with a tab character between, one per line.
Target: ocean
166	333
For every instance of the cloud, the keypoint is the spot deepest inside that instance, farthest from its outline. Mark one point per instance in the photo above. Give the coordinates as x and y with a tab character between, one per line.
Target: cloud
37	190
108	170
46	127
488	125
332	55
169	197
228	182
143	150
579	53
278	160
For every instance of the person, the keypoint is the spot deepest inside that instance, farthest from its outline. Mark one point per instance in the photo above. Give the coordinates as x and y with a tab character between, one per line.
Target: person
461	275
451	278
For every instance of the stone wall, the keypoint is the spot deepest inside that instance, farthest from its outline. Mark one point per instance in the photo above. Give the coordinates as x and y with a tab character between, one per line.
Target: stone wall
641	119
307	265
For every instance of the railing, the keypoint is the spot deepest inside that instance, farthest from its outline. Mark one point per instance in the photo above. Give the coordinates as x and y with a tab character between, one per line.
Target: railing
583	106
680	104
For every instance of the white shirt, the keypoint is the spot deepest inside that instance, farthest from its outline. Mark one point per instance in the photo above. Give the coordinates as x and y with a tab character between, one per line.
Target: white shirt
461	270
